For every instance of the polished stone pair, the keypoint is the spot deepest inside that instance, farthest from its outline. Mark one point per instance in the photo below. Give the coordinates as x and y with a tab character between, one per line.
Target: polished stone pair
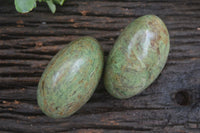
137	58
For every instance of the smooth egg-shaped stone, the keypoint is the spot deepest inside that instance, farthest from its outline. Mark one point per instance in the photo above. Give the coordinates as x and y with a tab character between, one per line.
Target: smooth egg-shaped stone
70	78
137	57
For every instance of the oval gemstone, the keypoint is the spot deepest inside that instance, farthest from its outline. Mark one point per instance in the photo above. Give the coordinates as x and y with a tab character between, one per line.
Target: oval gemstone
137	58
70	78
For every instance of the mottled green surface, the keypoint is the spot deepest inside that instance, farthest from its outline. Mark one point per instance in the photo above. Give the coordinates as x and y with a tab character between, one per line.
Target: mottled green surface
70	78
137	57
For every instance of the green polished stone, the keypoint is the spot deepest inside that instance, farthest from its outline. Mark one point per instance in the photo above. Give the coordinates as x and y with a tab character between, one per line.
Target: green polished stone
70	78
137	57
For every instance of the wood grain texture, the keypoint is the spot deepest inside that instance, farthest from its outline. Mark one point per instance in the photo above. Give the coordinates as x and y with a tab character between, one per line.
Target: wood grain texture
29	41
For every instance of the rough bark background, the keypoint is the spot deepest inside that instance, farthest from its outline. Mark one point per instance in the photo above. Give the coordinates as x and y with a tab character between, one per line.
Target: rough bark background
29	41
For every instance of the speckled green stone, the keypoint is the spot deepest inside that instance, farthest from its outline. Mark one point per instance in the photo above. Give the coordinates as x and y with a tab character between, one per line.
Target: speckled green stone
137	57
70	78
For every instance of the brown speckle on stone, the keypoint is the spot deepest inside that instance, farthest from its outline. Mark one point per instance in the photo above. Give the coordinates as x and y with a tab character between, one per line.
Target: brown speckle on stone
150	23
158	51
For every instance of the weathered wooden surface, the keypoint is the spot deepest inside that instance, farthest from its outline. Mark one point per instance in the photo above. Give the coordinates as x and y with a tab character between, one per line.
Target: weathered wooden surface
29	41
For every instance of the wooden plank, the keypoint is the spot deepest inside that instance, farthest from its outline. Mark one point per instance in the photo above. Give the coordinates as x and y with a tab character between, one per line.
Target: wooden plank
29	41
